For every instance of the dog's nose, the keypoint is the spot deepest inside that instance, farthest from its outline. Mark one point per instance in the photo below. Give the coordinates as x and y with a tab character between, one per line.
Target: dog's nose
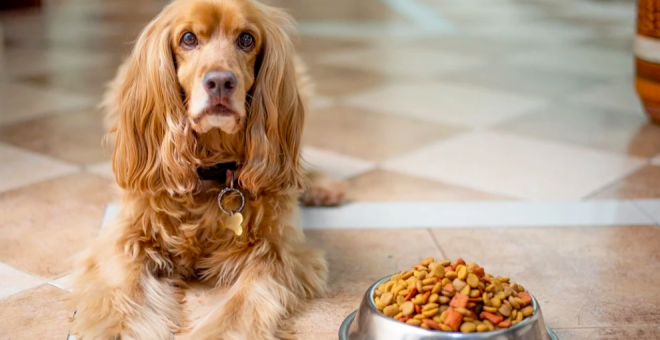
220	83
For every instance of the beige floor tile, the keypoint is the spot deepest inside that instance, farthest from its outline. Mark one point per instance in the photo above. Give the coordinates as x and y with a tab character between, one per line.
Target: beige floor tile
20	167
570	270
91	81
318	46
644	183
581	60
461	105
30	62
520	79
317	336
383	185
494	10
75	137
103	169
15	281
338	11
515	166
620	96
649	332
39	313
409	63
357	258
45	224
21	102
368	135
457	44
339	81
534	31
334	164
583	126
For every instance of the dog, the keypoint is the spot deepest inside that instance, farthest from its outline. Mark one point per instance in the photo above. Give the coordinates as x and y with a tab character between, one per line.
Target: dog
211	87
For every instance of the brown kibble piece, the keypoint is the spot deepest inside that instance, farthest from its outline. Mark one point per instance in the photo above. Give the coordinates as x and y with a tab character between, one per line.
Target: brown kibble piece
407	308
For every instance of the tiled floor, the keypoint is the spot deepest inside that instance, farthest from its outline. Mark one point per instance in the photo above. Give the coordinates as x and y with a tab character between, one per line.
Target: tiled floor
418	100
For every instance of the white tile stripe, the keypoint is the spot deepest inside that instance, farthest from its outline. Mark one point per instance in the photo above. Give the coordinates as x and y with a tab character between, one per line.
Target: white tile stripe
418	14
420	21
388	215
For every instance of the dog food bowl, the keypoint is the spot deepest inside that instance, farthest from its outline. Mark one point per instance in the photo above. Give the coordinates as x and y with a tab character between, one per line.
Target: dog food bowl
367	323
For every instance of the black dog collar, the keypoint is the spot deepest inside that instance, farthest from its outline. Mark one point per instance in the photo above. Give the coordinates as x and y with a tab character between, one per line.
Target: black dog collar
217	172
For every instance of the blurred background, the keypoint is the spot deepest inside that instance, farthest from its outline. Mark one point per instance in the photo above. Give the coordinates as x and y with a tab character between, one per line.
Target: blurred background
477	103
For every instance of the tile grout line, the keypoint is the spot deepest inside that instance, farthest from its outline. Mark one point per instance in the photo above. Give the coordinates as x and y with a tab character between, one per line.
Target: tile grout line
641	209
45	283
619	178
435	241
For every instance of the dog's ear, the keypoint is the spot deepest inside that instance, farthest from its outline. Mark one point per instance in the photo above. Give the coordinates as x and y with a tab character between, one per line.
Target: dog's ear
275	114
154	149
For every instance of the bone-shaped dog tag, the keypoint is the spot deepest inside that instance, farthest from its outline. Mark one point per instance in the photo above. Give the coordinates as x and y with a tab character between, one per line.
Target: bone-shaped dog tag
235	223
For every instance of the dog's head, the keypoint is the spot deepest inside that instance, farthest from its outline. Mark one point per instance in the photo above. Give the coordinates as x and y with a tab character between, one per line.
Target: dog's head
210	72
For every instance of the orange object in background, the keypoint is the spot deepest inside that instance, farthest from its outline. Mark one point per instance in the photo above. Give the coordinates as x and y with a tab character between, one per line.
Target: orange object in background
647	57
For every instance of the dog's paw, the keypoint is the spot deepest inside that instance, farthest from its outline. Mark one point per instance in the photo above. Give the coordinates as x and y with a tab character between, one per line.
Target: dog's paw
325	193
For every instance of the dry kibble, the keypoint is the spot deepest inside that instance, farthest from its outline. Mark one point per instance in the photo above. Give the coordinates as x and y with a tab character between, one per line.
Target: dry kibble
430	306
514	303
379	303
445	328
427	261
400	300
436	288
414	322
430	313
391	310
438	271
472	280
407	308
462	272
433	294
387	298
458	284
505	310
465	291
430	281
468	327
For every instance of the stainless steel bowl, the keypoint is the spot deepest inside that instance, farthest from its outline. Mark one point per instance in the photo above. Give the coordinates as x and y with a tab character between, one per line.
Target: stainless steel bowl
367	323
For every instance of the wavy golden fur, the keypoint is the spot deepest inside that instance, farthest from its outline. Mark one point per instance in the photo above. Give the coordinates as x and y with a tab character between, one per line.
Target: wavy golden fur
170	231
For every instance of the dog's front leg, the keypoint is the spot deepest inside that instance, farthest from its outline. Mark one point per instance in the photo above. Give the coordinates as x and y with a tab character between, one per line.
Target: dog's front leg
116	296
255	307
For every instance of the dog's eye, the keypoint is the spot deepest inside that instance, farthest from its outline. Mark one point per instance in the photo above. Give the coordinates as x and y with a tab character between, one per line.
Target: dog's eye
246	41
189	40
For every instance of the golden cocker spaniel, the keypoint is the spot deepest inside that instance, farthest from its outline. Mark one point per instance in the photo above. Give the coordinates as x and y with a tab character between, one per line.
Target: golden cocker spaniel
208	83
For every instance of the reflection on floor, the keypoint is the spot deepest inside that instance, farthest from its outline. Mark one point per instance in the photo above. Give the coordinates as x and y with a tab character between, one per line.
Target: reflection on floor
433	100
